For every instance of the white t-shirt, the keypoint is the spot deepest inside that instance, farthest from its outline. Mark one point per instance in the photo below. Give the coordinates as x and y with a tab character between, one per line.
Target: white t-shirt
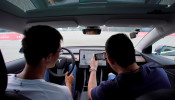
38	89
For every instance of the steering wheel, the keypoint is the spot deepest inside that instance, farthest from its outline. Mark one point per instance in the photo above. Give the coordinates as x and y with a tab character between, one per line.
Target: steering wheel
61	64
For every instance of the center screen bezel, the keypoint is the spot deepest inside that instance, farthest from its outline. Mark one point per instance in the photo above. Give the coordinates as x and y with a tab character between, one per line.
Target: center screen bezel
87	53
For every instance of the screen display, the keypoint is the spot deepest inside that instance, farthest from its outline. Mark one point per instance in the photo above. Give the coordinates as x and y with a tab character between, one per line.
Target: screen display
86	55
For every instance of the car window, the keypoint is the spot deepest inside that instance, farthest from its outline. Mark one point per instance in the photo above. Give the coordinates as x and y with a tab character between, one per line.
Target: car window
165	47
10	44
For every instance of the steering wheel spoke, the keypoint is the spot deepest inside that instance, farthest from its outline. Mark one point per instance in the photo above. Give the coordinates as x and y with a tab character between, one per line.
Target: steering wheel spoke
60	71
69	60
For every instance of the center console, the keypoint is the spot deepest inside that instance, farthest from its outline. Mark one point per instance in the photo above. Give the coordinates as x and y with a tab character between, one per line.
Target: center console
85	56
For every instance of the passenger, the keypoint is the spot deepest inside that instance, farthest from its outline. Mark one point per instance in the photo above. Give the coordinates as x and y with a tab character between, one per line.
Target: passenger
132	80
41	46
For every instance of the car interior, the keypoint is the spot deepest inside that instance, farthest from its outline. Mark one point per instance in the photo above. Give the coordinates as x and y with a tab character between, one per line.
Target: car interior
91	16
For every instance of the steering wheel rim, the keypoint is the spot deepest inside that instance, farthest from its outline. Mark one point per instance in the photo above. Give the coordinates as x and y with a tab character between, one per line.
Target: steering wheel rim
70	71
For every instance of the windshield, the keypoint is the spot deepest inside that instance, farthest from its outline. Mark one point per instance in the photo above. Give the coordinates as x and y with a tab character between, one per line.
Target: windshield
10	42
75	37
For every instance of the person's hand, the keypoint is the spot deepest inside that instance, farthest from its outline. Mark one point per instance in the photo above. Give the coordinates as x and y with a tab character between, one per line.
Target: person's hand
69	79
93	62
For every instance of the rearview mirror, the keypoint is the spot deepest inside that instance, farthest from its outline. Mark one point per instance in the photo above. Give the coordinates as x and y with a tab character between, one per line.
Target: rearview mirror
92	30
133	34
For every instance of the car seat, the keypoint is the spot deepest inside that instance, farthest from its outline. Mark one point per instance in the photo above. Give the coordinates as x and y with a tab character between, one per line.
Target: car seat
162	94
7	95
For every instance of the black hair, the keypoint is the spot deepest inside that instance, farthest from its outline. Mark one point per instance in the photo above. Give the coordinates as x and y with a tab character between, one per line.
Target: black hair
39	41
120	48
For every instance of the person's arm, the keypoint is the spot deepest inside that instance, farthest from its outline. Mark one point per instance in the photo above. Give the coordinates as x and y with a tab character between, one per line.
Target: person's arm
69	81
92	79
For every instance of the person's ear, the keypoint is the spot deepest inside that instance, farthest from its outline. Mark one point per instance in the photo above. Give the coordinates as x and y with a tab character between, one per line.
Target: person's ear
49	57
110	60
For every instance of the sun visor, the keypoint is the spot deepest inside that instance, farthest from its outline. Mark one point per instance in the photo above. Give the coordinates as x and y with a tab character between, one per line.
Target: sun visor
55	24
135	22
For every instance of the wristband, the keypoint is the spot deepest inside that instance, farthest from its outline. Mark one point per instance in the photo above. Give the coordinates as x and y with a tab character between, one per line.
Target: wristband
92	69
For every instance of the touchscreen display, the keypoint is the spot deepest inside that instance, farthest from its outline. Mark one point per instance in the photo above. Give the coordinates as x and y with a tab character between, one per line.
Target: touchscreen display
86	55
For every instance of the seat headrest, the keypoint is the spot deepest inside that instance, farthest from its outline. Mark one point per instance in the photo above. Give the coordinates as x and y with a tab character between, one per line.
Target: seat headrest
161	94
3	75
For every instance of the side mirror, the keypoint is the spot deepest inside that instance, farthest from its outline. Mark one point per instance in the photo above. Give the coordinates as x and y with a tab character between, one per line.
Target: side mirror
159	49
92	30
165	50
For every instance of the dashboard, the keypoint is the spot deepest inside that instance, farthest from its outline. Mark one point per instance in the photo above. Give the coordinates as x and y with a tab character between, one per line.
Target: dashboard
83	55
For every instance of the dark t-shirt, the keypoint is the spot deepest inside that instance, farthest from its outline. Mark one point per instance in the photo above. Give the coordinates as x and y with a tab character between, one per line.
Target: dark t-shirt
129	86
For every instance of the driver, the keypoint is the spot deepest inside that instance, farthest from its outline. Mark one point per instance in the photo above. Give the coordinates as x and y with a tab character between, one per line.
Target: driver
41	47
132	80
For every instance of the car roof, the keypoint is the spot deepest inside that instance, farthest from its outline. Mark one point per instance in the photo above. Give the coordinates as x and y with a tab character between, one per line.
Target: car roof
50	8
17	15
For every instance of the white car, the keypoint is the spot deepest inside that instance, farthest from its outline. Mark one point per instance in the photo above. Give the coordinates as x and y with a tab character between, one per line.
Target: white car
70	17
